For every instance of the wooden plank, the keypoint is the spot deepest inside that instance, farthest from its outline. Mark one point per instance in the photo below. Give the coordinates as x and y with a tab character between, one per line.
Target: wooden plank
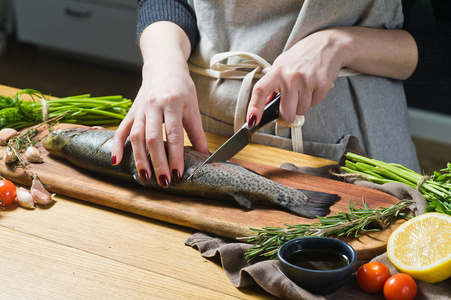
82	230
34	268
221	218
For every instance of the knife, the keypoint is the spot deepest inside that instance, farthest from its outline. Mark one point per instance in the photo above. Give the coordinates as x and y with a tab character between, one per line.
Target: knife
243	136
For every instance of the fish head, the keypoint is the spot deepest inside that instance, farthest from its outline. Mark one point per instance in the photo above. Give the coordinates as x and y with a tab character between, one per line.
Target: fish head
56	140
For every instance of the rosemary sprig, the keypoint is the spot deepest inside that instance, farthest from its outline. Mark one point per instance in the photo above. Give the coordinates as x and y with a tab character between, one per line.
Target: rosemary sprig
268	240
21	142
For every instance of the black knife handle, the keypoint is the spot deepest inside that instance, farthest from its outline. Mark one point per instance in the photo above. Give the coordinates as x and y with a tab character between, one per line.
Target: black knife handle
271	112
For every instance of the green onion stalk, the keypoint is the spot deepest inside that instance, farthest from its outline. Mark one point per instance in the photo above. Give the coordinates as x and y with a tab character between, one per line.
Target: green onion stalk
82	109
436	189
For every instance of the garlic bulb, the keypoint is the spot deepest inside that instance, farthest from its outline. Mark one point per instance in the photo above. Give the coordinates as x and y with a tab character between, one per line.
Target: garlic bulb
24	198
6	134
33	155
9	157
40	194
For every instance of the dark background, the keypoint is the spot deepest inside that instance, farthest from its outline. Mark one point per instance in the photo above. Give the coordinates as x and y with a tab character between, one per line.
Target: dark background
434	97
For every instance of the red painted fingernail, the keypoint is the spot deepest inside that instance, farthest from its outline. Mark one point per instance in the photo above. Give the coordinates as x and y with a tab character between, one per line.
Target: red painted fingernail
144	175
176	175
252	120
113	160
164	182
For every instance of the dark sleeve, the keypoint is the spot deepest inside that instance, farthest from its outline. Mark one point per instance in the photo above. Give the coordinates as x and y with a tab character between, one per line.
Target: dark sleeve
434	46
176	11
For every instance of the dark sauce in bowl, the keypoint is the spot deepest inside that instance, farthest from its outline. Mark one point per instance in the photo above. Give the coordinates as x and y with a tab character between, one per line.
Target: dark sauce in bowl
318	260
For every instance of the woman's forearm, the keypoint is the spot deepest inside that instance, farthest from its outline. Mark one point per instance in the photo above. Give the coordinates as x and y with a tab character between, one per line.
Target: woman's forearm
306	72
164	40
380	52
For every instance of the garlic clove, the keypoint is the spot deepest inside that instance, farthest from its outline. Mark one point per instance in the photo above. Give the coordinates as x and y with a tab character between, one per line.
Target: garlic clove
33	155
9	157
24	198
40	194
6	134
41	198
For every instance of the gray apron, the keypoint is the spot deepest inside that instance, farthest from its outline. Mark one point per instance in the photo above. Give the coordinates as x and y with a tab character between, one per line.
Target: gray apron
239	40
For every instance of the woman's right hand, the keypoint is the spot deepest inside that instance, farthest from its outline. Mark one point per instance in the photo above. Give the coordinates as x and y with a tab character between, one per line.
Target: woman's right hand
167	96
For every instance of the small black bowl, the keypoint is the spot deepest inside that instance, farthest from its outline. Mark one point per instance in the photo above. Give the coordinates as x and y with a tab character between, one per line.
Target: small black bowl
320	282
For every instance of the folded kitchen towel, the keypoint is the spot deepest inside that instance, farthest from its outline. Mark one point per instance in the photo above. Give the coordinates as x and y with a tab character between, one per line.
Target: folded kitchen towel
267	273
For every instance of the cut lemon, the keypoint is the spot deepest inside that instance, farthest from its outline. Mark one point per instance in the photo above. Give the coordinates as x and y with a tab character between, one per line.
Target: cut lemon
421	247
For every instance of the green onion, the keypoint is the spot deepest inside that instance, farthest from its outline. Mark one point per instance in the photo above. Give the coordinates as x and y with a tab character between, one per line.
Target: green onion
81	109
436	188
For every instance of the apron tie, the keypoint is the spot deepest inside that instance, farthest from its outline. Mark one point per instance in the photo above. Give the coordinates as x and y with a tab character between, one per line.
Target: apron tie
251	66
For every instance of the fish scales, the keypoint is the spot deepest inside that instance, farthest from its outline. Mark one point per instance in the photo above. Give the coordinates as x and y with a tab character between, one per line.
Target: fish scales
91	149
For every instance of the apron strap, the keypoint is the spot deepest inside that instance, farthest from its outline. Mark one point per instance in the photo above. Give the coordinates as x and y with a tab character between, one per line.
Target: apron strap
251	66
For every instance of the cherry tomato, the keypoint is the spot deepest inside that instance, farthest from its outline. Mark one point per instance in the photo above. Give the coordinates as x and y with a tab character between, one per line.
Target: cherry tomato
8	192
372	276
400	287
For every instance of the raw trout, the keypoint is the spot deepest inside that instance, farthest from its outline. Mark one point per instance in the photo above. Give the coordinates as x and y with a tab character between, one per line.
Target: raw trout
91	149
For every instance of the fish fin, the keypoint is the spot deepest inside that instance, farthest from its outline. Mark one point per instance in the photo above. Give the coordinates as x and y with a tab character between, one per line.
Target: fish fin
318	203
243	201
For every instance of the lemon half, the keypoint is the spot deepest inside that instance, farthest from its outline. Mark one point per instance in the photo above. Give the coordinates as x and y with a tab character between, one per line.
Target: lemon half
421	247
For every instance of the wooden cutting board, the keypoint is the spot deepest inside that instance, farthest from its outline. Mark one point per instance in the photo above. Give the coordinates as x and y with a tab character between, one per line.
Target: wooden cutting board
218	217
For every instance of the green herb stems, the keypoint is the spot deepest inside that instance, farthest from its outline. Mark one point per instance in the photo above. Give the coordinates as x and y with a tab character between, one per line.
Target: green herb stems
436	189
82	109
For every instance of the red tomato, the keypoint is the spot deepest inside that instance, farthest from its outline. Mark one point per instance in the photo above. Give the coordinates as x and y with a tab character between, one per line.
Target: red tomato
8	192
400	287
372	276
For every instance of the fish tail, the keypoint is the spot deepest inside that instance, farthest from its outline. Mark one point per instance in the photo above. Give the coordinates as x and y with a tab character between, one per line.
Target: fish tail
317	204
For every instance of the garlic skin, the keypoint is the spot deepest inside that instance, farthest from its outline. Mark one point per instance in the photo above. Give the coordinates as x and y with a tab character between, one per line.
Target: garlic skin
6	134
33	155
41	198
25	199
40	195
9	157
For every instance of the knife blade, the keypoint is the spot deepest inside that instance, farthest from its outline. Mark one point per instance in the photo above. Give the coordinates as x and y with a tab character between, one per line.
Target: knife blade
243	136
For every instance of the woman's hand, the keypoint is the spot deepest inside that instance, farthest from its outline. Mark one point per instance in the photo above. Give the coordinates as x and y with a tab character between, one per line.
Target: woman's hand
305	73
167	96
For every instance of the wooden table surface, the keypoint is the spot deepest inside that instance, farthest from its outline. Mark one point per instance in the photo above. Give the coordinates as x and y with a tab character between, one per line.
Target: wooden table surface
78	250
